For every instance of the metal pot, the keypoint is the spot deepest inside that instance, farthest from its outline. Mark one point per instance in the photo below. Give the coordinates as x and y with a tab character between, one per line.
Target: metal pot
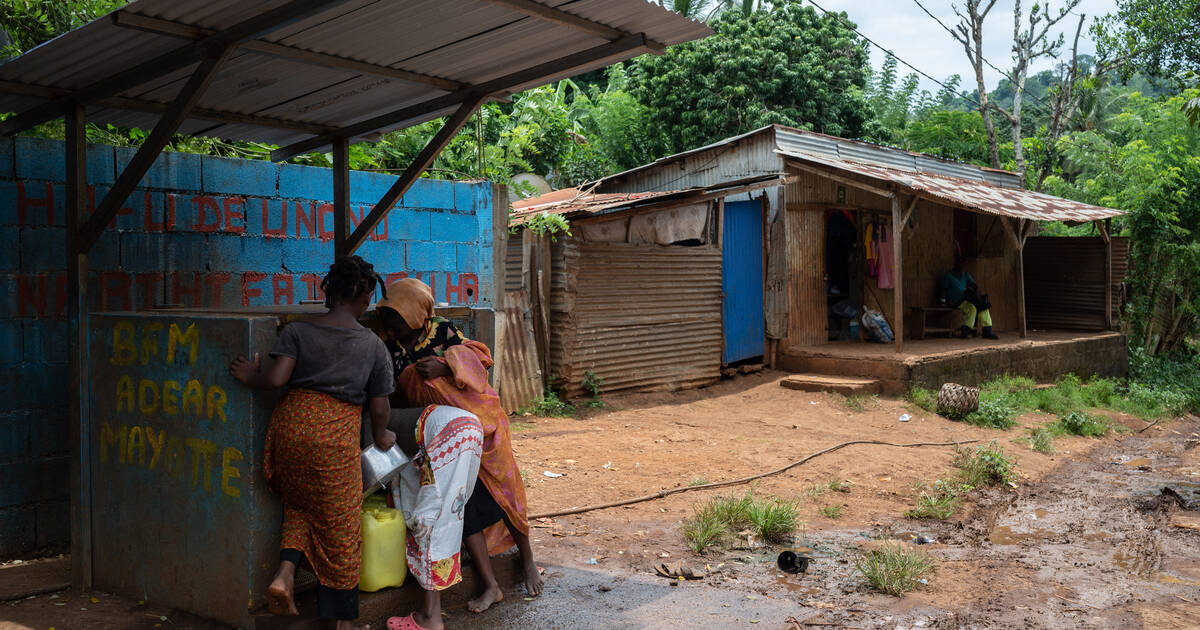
380	467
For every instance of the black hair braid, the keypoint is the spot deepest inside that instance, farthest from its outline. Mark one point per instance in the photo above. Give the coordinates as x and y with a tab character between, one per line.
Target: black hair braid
349	278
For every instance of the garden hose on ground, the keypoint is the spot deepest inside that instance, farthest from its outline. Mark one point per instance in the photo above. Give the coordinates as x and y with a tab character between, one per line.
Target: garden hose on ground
721	484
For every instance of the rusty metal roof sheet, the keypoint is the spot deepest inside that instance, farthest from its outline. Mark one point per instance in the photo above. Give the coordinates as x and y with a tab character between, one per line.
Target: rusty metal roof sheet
574	202
282	98
969	194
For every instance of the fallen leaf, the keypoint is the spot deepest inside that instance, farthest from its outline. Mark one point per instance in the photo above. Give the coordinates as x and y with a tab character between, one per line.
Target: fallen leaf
95	600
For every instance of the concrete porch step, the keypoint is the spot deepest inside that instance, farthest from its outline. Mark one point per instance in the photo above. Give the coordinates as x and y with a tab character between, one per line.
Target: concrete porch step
844	385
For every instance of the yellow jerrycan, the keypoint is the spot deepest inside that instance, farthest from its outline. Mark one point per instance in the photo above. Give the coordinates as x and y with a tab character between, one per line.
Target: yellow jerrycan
383	542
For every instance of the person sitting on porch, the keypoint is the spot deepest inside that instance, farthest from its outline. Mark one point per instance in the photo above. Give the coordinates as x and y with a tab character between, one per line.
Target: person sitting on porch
435	364
960	291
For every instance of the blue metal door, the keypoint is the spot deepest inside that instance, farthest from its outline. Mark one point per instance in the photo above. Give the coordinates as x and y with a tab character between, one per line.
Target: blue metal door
742	281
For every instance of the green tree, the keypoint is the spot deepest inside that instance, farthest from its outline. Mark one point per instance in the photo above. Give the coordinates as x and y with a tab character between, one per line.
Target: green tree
27	23
788	65
951	134
1148	164
1158	37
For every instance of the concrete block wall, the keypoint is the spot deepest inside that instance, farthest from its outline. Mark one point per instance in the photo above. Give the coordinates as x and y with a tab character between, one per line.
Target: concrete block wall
201	232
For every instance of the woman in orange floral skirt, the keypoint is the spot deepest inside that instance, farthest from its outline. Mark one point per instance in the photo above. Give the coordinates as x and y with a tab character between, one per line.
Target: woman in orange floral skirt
333	366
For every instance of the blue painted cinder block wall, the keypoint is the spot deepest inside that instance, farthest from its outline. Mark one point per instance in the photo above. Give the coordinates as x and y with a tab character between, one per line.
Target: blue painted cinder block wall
199	231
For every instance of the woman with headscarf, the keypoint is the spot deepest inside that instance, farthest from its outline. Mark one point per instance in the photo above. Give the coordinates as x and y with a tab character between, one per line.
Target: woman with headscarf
333	366
435	364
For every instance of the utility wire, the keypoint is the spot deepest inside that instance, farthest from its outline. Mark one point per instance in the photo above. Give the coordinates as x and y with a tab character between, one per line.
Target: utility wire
893	54
1011	80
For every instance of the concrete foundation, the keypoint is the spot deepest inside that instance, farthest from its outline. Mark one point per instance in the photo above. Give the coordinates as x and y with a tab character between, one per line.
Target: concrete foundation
1043	356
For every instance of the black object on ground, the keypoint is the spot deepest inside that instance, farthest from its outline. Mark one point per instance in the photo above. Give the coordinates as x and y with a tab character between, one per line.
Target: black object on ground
792	562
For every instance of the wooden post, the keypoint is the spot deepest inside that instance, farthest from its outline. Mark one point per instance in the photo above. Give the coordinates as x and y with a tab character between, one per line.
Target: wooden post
1018	236
897	273
341	197
1108	280
1020	240
79	432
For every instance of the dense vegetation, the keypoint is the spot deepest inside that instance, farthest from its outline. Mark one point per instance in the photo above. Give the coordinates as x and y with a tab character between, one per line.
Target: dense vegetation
1118	129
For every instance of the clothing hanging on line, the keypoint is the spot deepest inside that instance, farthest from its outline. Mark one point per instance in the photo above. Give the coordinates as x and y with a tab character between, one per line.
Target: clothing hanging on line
886	280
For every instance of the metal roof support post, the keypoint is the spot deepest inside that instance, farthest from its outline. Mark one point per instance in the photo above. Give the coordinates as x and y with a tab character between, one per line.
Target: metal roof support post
423	160
107	209
341	197
898	272
79	428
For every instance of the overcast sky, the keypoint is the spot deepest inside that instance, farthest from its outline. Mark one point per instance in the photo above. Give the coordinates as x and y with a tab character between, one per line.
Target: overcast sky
901	26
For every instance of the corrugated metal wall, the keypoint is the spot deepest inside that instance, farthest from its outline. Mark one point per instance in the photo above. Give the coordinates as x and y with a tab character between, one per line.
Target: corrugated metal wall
807	323
639	316
513	280
1064	283
1120	272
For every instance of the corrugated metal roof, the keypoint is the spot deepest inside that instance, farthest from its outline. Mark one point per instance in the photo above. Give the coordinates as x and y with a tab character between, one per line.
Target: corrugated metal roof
574	202
976	195
464	41
792	139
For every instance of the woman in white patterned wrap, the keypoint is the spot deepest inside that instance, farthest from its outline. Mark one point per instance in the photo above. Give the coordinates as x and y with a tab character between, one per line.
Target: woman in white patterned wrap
445	444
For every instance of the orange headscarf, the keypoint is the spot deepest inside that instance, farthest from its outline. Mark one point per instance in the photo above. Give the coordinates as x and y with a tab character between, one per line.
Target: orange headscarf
412	299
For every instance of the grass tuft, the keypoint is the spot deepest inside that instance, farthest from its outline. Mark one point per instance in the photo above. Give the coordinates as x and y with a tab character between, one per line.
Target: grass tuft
837	484
1084	424
859	403
940	501
698	481
832	511
895	569
996	413
774	520
549	406
924	398
984	465
704	528
1042	440
711	522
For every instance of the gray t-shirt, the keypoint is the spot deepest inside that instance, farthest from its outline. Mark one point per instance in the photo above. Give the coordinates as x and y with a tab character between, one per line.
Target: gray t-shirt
350	364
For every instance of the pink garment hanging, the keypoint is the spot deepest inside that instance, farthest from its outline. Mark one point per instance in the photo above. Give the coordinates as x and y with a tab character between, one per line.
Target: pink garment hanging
885	258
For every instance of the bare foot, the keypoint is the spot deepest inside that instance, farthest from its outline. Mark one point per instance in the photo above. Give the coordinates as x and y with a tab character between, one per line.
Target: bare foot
533	580
427	622
279	597
489	596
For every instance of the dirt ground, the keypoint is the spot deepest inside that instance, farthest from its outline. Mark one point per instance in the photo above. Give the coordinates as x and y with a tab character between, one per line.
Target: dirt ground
1085	540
